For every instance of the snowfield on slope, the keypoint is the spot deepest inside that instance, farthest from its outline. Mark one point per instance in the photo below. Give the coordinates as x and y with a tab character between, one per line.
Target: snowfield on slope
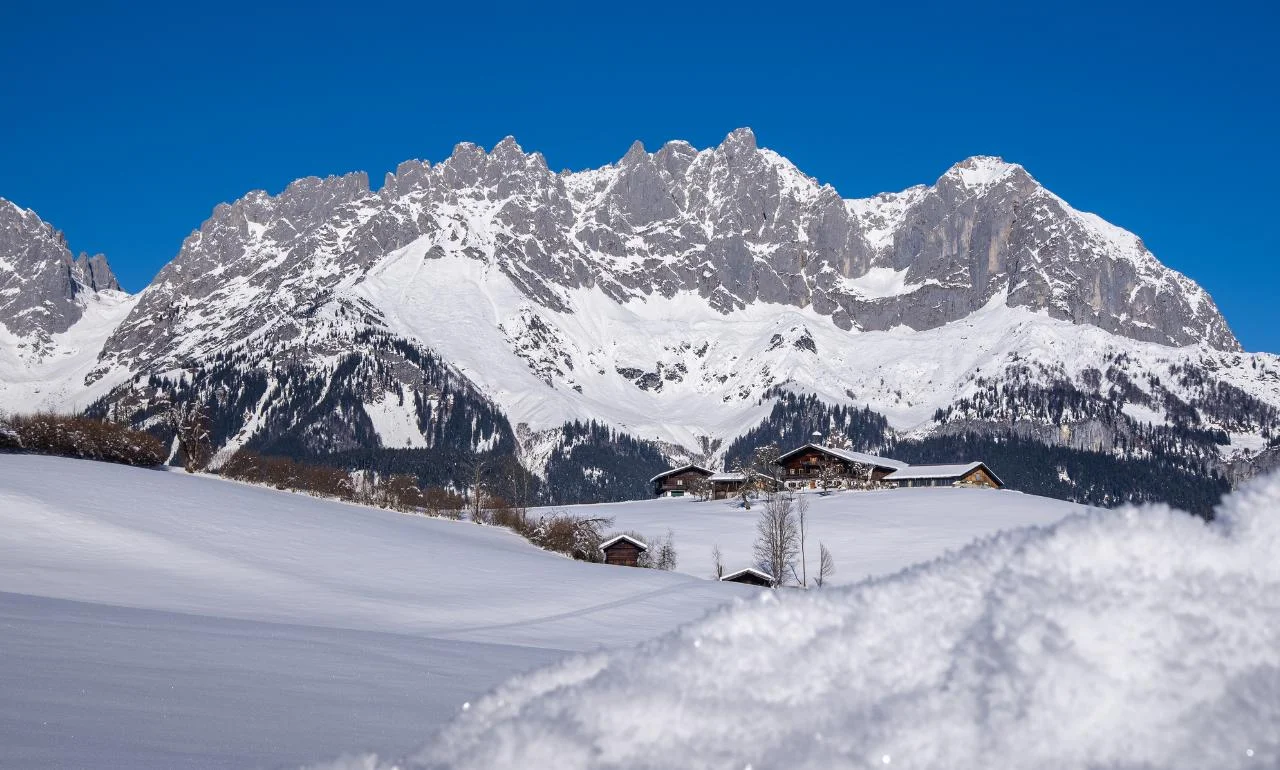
1137	638
868	533
152	619
156	619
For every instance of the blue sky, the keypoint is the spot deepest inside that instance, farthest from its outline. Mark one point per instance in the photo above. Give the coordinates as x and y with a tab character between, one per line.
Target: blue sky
125	126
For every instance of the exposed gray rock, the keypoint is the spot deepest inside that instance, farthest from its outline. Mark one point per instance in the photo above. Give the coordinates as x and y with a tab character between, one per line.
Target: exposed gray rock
42	287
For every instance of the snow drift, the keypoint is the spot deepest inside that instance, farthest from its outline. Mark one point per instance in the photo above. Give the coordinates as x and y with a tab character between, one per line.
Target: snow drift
1137	638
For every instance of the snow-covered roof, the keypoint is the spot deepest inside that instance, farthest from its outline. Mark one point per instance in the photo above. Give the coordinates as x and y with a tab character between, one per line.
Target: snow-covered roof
727	476
681	469
749	571
849	455
628	538
940	472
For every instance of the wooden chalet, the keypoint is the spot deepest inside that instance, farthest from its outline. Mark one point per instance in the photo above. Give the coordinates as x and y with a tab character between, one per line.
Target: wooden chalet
679	482
750	576
975	474
728	484
623	551
803	467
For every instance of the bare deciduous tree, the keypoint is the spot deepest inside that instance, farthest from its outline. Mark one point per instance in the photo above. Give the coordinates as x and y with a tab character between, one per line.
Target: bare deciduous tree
777	538
826	566
665	558
828	476
717	562
476	471
700	488
192	426
802	520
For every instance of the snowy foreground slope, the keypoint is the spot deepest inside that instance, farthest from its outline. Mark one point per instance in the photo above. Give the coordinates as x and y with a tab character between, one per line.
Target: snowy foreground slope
155	619
1138	638
151	619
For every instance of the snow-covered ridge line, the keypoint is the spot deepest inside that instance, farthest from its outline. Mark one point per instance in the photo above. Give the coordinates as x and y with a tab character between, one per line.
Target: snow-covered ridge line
666	293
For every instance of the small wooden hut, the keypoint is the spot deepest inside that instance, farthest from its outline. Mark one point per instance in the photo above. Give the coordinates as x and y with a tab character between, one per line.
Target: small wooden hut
623	551
750	576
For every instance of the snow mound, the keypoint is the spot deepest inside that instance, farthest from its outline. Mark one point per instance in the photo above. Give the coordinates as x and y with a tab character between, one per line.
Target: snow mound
1115	639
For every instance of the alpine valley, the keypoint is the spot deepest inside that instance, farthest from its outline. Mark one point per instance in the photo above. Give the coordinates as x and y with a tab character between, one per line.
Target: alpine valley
678	305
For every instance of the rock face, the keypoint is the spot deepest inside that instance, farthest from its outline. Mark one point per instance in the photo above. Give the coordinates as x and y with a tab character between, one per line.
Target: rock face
42	287
486	300
736	224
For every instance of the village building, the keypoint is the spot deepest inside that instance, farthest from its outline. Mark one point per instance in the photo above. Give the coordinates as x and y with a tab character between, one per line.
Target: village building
725	485
623	551
678	482
750	576
975	474
815	464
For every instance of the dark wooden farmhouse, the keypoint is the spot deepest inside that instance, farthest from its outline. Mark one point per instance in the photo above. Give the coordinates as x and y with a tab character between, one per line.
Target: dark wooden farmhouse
807	467
728	484
751	577
623	551
975	474
679	482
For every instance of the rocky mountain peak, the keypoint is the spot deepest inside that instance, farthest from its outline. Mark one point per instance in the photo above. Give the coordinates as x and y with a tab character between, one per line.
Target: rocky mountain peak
43	289
739	140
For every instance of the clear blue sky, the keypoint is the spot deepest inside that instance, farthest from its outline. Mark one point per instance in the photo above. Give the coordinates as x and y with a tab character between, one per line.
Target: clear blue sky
125	127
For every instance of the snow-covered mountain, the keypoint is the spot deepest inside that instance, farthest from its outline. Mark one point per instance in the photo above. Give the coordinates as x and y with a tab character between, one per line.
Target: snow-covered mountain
56	312
669	296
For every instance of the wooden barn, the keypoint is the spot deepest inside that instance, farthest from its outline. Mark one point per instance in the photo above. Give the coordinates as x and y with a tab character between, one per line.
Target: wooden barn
750	576
804	467
679	482
728	484
975	474
623	551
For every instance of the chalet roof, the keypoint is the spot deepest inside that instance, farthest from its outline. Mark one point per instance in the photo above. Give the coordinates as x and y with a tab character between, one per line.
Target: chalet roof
848	455
724	476
681	469
940	472
619	538
749	571
736	476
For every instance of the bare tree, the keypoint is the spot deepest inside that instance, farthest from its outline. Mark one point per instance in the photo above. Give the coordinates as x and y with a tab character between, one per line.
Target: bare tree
744	491
777	538
826	566
476	471
194	432
764	460
665	558
717	561
802	517
828	476
700	488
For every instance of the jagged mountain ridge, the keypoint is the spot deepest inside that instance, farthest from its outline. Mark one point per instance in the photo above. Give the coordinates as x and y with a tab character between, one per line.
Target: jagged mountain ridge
737	225
42	287
56	312
666	294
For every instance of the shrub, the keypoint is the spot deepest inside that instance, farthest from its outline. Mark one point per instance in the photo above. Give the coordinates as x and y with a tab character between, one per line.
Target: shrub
81	437
571	535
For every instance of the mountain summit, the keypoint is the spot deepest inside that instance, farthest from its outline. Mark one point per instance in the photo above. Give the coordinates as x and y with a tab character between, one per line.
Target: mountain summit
672	296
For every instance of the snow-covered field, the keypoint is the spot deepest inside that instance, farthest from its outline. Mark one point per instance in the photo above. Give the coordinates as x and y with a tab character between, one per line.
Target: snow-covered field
152	619
155	619
1114	640
868	533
